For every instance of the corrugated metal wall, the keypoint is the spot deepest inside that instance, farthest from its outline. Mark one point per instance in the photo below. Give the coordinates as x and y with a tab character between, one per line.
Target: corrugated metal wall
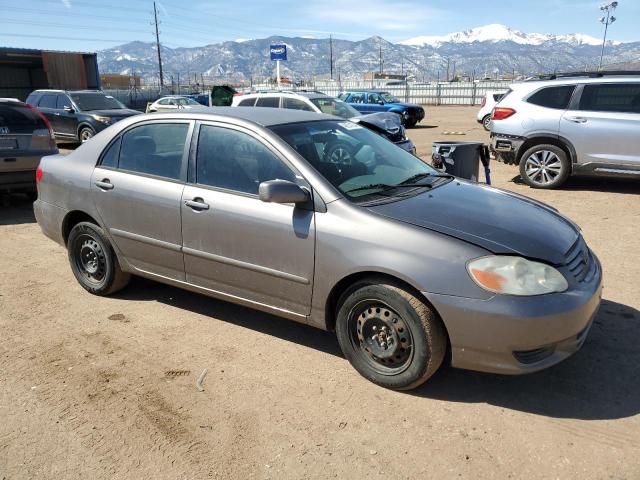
65	70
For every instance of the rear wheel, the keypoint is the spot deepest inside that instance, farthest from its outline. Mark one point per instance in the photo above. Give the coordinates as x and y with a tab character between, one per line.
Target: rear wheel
93	260
390	336
544	166
486	122
85	134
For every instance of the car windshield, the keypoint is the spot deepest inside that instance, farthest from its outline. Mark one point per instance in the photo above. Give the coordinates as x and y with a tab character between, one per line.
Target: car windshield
96	101
336	107
353	159
388	98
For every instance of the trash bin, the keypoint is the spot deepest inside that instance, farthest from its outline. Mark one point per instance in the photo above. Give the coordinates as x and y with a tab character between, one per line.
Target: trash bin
461	159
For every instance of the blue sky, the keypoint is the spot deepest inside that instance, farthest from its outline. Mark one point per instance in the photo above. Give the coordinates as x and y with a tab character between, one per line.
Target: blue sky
88	25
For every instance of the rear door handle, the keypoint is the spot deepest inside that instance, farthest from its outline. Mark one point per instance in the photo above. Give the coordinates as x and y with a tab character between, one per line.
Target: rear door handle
104	184
577	119
197	204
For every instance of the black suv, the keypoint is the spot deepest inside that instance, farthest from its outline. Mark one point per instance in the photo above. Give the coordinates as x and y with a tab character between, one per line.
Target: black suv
78	115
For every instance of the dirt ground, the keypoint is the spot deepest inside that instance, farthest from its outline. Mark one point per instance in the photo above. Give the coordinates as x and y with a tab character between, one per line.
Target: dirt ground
105	388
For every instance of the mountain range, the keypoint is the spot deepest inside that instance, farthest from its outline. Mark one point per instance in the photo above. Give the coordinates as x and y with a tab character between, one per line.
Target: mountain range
478	52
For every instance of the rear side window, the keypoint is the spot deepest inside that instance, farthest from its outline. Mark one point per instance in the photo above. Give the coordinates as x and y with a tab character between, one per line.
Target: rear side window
18	118
247	102
553	97
374	98
236	161
295	104
624	98
357	98
110	157
497	97
273	102
48	101
154	149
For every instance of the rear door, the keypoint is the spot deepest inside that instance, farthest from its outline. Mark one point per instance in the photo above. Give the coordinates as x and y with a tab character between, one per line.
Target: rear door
137	189
604	126
235	244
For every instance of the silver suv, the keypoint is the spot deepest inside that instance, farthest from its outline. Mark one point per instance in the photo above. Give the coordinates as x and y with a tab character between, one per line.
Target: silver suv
587	124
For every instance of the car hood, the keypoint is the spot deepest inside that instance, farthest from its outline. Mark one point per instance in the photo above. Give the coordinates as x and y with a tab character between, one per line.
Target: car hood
499	221
383	121
116	112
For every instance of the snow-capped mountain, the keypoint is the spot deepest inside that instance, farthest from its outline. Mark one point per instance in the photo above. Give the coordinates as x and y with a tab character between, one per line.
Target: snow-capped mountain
500	33
477	52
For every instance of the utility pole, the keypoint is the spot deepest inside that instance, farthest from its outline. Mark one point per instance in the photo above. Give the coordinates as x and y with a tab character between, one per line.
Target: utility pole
607	20
155	17
447	69
331	56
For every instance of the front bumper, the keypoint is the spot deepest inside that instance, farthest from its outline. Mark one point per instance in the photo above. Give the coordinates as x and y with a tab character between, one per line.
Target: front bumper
515	335
407	145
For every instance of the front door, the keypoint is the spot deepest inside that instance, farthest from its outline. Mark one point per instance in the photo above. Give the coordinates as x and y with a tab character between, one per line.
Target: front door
375	103
605	127
235	244
66	119
137	190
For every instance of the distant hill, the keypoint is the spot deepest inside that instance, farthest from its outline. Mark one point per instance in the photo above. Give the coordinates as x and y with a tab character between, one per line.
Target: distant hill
482	51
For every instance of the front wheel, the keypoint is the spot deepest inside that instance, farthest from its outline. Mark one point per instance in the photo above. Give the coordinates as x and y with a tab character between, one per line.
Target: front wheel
93	261
544	166
389	336
410	123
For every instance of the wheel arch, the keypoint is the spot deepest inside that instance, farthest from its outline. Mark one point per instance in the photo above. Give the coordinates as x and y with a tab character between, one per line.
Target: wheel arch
556	140
82	125
71	219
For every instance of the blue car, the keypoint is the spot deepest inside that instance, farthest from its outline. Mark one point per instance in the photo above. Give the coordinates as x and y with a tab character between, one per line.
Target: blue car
371	101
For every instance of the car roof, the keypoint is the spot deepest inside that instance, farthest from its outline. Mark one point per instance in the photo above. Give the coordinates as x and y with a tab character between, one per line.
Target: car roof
366	90
264	116
308	95
537	83
51	90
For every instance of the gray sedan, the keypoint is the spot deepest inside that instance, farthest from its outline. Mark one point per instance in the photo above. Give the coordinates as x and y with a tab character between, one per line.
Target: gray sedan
406	265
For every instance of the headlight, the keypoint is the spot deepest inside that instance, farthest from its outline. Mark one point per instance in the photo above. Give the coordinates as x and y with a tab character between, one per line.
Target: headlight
516	276
102	119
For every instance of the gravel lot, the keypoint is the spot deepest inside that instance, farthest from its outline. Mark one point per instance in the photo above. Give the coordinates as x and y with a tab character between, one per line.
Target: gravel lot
105	387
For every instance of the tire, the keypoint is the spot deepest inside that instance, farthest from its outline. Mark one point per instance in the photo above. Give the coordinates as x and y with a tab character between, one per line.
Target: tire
340	153
486	122
85	133
544	166
415	343
93	261
410	123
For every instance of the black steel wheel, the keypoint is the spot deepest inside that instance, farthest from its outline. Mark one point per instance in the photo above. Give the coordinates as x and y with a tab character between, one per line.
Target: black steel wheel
391	336
93	261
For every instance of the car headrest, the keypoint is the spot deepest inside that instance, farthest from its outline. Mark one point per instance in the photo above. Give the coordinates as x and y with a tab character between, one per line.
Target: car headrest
143	145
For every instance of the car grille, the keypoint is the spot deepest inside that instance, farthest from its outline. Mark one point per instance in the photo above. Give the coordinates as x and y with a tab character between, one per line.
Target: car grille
580	262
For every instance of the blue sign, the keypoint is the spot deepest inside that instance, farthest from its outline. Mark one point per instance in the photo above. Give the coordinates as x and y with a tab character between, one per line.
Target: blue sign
278	52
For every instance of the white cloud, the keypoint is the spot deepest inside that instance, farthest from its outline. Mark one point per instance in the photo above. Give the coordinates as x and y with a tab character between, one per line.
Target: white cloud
66	3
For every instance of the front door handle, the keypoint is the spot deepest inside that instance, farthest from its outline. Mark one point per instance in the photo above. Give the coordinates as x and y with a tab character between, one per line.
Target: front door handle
104	184
197	204
577	119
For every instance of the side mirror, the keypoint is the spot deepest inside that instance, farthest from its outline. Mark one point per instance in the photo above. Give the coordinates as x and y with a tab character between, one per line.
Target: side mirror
282	191
68	109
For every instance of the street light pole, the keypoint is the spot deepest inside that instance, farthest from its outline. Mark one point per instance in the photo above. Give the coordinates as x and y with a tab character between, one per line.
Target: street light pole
607	20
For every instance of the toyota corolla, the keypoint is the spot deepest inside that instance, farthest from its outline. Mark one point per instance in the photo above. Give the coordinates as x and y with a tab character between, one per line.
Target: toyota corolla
408	266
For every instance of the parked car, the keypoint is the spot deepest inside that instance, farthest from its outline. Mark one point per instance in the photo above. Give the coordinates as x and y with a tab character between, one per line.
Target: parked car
386	124
25	137
380	101
486	107
584	124
78	115
405	264
172	102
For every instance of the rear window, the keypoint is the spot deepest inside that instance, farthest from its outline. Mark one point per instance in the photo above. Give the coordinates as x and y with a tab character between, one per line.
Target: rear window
247	102
16	116
624	98
553	97
497	97
273	102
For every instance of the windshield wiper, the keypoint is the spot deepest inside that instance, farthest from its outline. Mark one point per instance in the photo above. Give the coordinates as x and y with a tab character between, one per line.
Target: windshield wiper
418	176
372	186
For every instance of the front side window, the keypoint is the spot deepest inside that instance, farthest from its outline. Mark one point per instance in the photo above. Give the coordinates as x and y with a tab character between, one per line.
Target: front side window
273	102
48	101
374	98
553	97
336	107
388	98
624	98
154	149
355	160
295	104
63	101
236	161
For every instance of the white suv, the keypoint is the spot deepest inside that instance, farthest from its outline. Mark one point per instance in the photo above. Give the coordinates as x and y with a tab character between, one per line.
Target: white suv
576	124
486	107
